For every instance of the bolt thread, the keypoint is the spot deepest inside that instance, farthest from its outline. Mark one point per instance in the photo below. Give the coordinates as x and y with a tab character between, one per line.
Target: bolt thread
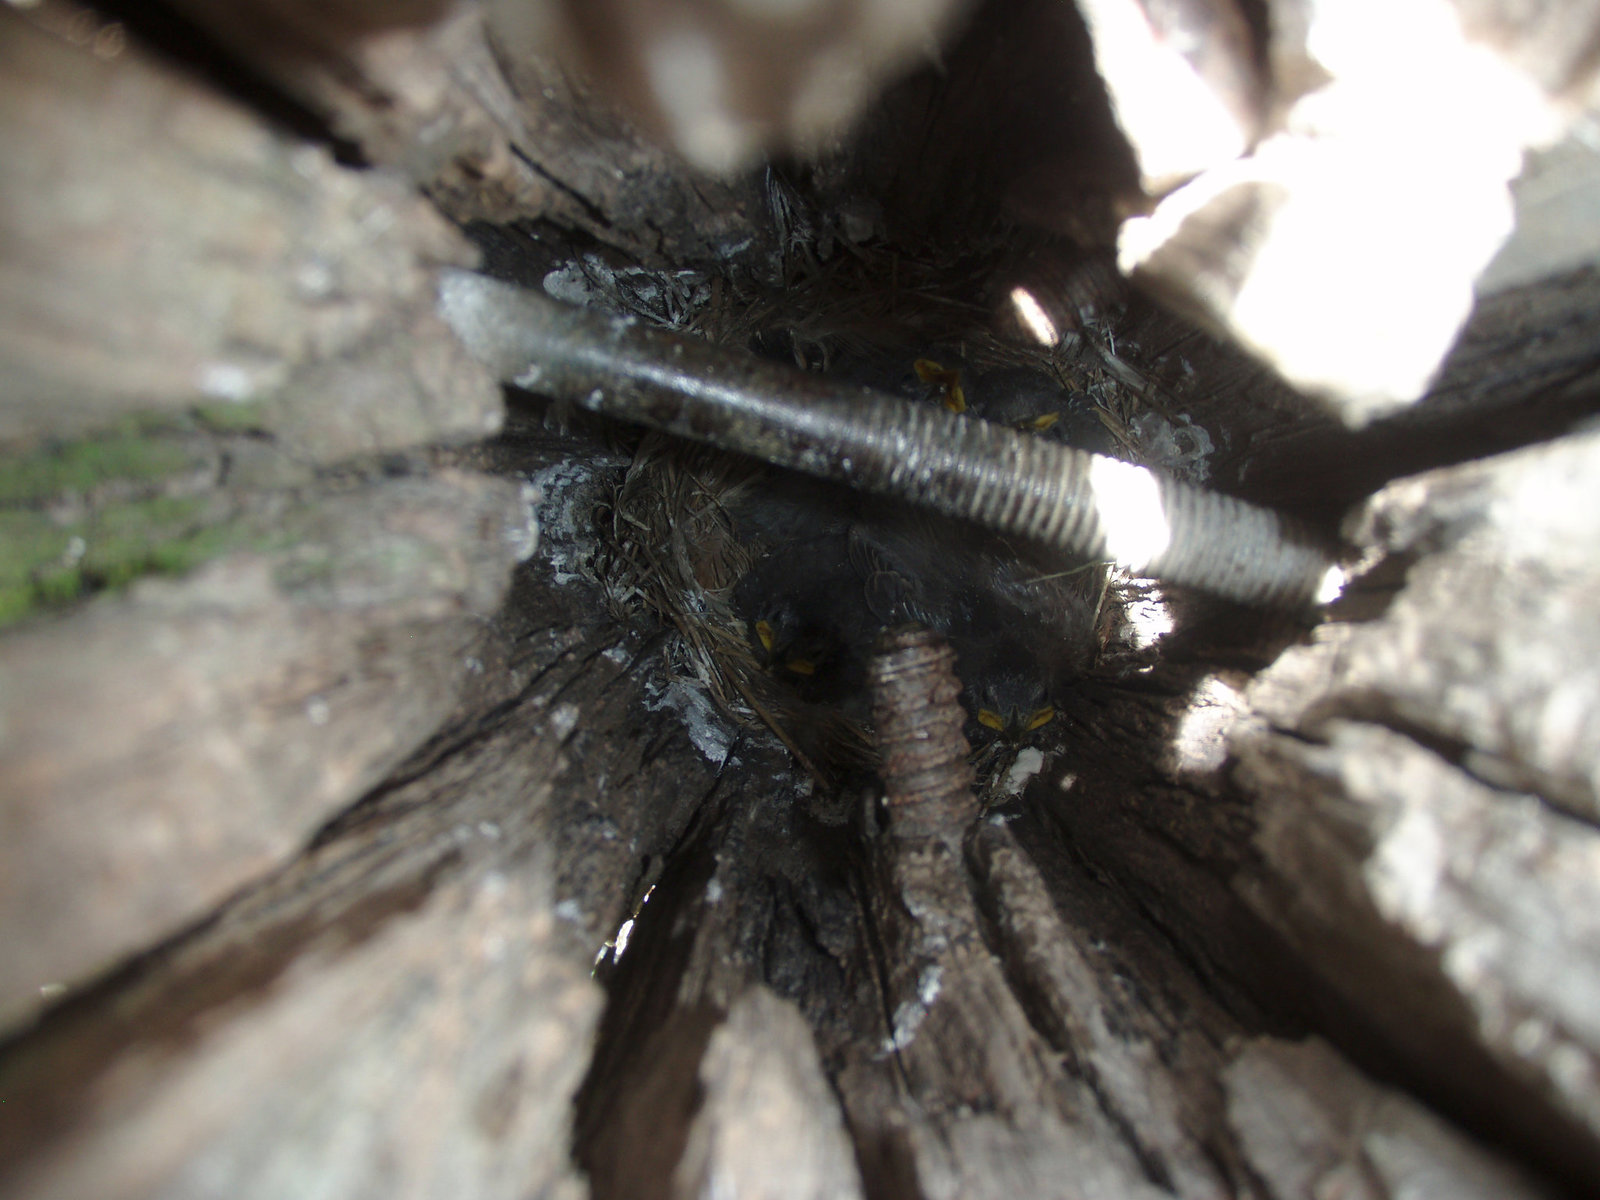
1009	482
918	719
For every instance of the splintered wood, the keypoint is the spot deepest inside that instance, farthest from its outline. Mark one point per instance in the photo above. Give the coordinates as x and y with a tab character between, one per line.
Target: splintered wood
355	841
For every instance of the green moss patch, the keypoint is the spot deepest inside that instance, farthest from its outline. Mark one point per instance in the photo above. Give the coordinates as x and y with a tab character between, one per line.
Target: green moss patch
44	563
131	453
248	417
112	536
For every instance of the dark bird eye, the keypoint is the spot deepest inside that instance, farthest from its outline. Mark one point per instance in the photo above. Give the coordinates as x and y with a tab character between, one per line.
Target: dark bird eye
948	379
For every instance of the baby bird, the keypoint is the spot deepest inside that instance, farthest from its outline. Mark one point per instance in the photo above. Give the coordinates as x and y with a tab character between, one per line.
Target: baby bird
1021	398
830	568
808	621
1019	630
1010	692
1030	401
810	634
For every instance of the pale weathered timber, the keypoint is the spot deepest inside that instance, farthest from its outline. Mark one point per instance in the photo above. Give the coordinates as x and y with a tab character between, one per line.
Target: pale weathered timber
1183	80
1151	1058
1426	780
1008	1022
168	252
1526	367
160	749
768	1126
484	108
1118	988
1310	1126
1556	196
162	248
405	1007
1486	646
430	1056
412	86
1278	864
787	80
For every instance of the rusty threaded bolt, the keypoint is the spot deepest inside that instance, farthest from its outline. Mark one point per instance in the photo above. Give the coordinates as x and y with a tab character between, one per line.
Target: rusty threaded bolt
918	719
1084	504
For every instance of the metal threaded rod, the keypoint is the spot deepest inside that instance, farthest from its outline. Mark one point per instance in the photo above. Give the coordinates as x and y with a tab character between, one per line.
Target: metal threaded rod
1084	504
918	718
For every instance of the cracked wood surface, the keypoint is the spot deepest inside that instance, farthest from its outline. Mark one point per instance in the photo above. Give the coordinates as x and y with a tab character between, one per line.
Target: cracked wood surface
165	248
1427	782
423	961
1295	914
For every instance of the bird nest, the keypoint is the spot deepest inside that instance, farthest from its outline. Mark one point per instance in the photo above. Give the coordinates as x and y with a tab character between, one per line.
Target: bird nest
775	587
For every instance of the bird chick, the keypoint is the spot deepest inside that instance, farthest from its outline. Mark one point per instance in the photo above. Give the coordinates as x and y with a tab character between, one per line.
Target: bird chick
1020	398
810	633
831	568
1009	688
1031	401
943	381
1018	629
808	622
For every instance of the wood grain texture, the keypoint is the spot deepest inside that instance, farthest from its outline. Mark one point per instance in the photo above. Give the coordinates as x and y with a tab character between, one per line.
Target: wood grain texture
332	842
288	682
1426	778
162	248
420	967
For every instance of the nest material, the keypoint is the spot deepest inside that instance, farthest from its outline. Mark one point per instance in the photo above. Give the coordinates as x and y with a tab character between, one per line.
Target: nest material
670	543
670	546
829	302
